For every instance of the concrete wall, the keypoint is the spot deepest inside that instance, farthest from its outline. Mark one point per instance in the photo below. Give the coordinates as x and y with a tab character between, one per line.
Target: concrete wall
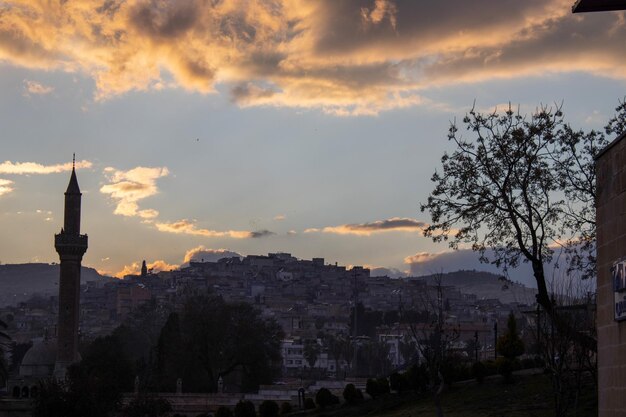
611	228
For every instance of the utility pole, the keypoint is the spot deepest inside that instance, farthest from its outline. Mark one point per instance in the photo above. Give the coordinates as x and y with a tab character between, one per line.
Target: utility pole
476	345
495	340
356	302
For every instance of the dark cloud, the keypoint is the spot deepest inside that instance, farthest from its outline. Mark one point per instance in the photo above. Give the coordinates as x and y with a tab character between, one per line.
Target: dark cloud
261	233
349	57
366	229
164	19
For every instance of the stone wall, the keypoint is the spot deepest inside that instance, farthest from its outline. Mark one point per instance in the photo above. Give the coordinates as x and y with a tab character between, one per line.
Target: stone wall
611	228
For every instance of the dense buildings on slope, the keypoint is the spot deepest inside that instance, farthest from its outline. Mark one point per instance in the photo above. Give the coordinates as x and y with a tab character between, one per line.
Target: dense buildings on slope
308	298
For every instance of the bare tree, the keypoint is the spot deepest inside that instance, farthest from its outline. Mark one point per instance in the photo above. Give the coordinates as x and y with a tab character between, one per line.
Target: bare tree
435	339
572	364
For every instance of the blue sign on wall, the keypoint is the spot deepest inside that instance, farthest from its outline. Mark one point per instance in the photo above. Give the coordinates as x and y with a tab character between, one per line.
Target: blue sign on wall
618	275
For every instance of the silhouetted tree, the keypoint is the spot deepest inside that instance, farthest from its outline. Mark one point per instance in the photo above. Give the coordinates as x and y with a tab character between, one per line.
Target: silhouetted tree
334	348
434	341
311	351
221	338
509	344
245	409
170	361
93	387
503	191
269	408
4	345
223	411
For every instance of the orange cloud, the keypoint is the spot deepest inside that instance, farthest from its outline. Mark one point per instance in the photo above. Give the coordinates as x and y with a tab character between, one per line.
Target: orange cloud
5	186
33	87
189	228
394	224
129	187
135	268
23	168
422	257
201	252
339	56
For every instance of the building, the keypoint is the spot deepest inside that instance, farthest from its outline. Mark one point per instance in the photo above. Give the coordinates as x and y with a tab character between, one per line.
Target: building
611	264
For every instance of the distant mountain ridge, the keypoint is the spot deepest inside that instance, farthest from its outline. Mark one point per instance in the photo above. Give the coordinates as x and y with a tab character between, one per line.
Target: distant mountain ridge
19	282
485	285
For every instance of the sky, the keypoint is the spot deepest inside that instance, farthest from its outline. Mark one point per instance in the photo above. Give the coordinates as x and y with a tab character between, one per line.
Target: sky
204	127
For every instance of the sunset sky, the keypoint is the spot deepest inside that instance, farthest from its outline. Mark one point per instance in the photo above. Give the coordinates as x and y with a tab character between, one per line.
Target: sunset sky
309	127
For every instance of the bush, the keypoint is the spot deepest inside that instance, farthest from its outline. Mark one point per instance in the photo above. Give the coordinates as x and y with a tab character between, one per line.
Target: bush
399	382
359	394
505	368
479	371
417	377
309	404
245	409
490	367
371	387
147	405
351	394
383	386
224	412
268	408
285	408
324	398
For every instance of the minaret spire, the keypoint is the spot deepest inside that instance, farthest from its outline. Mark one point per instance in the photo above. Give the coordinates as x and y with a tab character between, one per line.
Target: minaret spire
71	246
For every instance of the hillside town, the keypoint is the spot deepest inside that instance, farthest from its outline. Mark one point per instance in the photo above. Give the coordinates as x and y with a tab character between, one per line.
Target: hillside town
308	298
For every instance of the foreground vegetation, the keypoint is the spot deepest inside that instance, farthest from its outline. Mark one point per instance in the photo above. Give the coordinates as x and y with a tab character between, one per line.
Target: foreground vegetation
527	395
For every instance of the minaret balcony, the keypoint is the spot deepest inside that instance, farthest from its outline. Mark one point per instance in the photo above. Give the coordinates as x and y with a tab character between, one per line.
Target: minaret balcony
70	244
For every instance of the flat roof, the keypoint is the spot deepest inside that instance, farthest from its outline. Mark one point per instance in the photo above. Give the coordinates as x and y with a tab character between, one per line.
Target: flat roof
583	6
610	145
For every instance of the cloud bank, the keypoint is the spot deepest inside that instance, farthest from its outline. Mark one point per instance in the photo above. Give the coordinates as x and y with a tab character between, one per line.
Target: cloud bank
347	57
25	168
204	254
135	268
189	227
395	224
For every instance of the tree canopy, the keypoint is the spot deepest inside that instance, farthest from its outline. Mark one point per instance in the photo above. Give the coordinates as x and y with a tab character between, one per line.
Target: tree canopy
520	187
218	339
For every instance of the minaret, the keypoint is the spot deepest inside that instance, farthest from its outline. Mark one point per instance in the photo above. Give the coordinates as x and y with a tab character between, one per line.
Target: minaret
71	246
144	269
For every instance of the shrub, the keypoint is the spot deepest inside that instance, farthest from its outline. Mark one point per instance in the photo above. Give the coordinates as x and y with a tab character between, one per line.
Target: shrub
245	409
268	408
479	371
399	382
371	387
224	412
505	368
285	408
359	394
351	394
324	398
383	386
417	377
309	404
147	405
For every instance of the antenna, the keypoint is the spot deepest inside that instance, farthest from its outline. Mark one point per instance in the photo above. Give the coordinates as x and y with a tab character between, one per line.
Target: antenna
74	161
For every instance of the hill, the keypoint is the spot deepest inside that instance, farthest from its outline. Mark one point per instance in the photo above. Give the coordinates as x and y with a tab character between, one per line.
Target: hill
19	282
485	285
